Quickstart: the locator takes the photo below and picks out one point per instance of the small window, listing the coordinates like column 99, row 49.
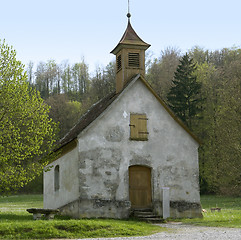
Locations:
column 118, row 63
column 56, row 178
column 134, row 60
column 138, row 127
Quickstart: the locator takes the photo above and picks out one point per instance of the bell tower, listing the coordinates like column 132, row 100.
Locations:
column 130, row 56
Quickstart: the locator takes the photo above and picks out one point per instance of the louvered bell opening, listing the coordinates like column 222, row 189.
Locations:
column 134, row 60
column 118, row 63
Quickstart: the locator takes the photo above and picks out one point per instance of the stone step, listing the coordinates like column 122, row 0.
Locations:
column 143, row 210
column 155, row 220
column 147, row 215
column 143, row 213
column 152, row 220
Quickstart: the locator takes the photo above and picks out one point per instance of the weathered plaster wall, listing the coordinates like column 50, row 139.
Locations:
column 69, row 183
column 94, row 179
column 105, row 153
column 97, row 208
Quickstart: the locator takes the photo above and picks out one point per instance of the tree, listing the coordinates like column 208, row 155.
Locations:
column 30, row 73
column 220, row 130
column 80, row 76
column 41, row 83
column 64, row 112
column 219, row 125
column 103, row 82
column 206, row 127
column 48, row 78
column 229, row 125
column 184, row 96
column 66, row 78
column 26, row 132
column 161, row 71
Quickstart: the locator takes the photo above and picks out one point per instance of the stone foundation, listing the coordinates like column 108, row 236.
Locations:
column 180, row 209
column 97, row 208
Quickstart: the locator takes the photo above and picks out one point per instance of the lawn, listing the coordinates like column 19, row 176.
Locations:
column 229, row 216
column 17, row 223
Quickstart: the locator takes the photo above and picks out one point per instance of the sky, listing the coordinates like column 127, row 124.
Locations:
column 40, row 30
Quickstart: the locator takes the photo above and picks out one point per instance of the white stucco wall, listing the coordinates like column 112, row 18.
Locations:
column 106, row 151
column 97, row 169
column 69, row 183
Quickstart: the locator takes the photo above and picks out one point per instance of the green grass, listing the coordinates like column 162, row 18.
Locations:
column 230, row 215
column 17, row 223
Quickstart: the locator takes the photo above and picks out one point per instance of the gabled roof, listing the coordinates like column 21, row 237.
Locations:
column 88, row 118
column 130, row 37
column 98, row 108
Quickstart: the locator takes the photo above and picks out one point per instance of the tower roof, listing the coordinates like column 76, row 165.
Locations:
column 130, row 37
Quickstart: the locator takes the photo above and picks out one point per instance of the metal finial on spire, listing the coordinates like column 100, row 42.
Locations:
column 128, row 14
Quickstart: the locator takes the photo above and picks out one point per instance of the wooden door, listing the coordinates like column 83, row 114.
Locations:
column 140, row 187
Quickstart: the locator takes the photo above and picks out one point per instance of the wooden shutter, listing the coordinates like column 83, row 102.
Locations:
column 138, row 127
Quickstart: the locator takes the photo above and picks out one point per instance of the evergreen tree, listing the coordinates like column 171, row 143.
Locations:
column 184, row 96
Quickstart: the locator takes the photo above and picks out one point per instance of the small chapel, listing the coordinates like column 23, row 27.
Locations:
column 125, row 150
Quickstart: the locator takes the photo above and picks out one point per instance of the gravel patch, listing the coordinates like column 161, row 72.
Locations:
column 187, row 232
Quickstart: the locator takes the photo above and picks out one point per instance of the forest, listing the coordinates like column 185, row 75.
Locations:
column 70, row 90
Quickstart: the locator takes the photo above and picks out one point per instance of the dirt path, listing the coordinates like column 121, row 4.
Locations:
column 188, row 232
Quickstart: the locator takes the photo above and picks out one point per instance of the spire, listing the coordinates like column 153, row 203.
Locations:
column 130, row 37
column 130, row 55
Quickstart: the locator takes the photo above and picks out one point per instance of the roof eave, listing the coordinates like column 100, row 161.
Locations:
column 162, row 102
column 130, row 44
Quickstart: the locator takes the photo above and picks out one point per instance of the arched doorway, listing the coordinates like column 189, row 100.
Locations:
column 140, row 193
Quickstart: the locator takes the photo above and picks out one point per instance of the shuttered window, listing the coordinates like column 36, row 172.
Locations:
column 138, row 127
